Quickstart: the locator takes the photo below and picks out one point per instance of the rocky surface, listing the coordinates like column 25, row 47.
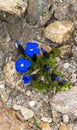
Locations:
column 37, row 11
column 62, row 104
column 59, row 31
column 17, row 7
column 49, row 111
column 9, row 121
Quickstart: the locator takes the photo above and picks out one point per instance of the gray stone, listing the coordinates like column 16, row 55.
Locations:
column 75, row 127
column 65, row 119
column 27, row 113
column 35, row 9
column 66, row 65
column 64, row 103
column 73, row 78
column 32, row 103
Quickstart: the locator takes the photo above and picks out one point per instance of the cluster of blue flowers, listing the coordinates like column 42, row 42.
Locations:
column 22, row 65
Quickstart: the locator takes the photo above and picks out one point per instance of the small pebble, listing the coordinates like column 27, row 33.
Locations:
column 28, row 93
column 73, row 78
column 45, row 119
column 66, row 65
column 27, row 113
column 65, row 119
column 2, row 86
column 16, row 107
column 32, row 103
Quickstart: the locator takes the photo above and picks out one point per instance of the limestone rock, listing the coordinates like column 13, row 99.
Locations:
column 45, row 126
column 45, row 119
column 64, row 103
column 9, row 121
column 59, row 31
column 65, row 51
column 75, row 127
column 27, row 113
column 65, row 119
column 64, row 127
column 13, row 6
column 10, row 74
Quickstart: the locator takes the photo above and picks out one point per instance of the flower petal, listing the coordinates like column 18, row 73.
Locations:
column 22, row 65
column 26, row 79
column 29, row 52
column 32, row 44
column 37, row 51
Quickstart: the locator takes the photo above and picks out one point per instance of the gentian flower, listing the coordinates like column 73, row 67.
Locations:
column 45, row 53
column 19, row 47
column 32, row 49
column 54, row 77
column 63, row 82
column 26, row 79
column 47, row 67
column 22, row 65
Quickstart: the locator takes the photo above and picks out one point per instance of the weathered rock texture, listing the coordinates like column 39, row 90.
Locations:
column 13, row 6
column 64, row 103
column 36, row 8
column 9, row 121
column 59, row 31
column 11, row 76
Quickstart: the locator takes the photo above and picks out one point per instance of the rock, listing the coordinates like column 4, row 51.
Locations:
column 2, row 85
column 59, row 31
column 9, row 121
column 10, row 74
column 16, row 107
column 45, row 16
column 73, row 78
column 64, row 103
column 27, row 113
column 13, row 6
column 61, row 11
column 28, row 93
column 45, row 119
column 66, row 65
column 64, row 127
column 45, row 126
column 65, row 51
column 75, row 127
column 35, row 10
column 3, row 95
column 32, row 103
column 65, row 119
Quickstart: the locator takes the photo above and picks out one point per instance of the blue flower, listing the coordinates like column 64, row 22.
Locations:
column 47, row 67
column 26, row 79
column 22, row 65
column 63, row 82
column 32, row 49
column 54, row 77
